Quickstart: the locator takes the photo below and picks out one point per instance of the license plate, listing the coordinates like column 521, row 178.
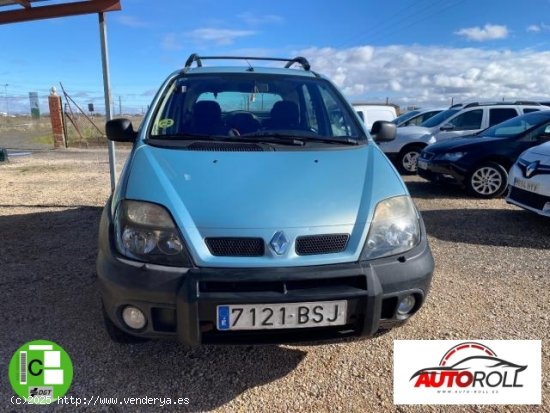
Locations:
column 524, row 184
column 280, row 316
column 422, row 164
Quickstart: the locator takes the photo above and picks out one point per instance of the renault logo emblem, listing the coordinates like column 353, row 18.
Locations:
column 531, row 168
column 279, row 243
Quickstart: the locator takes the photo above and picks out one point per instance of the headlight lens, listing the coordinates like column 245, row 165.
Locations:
column 146, row 232
column 395, row 228
column 450, row 156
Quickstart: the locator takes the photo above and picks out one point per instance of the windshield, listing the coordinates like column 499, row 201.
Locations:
column 439, row 118
column 514, row 126
column 405, row 117
column 223, row 106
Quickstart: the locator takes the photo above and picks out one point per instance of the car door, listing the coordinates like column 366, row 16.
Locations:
column 466, row 122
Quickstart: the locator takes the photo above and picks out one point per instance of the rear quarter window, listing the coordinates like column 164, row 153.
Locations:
column 499, row 115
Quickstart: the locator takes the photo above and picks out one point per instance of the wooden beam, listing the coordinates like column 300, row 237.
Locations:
column 25, row 3
column 59, row 10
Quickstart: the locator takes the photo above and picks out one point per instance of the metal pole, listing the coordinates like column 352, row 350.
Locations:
column 6, row 97
column 107, row 92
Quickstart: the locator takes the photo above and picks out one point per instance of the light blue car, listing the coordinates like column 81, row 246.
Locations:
column 255, row 207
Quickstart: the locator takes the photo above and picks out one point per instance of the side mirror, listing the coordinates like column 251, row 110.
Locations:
column 447, row 127
column 120, row 130
column 383, row 131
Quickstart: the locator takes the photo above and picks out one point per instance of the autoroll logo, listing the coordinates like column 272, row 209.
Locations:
column 470, row 365
column 468, row 372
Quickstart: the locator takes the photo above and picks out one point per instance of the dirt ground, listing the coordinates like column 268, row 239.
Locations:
column 491, row 282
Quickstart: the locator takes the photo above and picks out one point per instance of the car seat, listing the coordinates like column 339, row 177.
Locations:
column 207, row 118
column 284, row 115
column 244, row 123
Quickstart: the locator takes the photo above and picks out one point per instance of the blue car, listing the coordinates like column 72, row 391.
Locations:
column 255, row 207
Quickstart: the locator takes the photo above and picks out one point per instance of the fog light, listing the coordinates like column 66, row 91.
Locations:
column 406, row 305
column 133, row 317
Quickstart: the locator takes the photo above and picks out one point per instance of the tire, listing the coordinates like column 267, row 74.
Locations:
column 406, row 162
column 487, row 180
column 117, row 335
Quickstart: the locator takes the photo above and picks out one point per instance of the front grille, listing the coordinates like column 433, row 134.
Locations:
column 321, row 244
column 224, row 147
column 235, row 247
column 530, row 199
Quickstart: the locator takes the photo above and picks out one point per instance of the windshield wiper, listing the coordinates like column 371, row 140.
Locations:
column 303, row 138
column 348, row 140
column 270, row 137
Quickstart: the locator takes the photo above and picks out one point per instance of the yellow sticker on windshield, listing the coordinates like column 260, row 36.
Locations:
column 165, row 123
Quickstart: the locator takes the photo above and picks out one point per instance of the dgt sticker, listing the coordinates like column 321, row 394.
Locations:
column 40, row 372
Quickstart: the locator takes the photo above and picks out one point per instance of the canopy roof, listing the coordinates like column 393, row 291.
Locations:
column 13, row 11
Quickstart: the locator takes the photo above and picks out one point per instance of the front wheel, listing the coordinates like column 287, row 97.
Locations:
column 408, row 158
column 487, row 180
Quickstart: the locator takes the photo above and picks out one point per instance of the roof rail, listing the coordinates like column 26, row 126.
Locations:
column 517, row 102
column 198, row 59
column 527, row 102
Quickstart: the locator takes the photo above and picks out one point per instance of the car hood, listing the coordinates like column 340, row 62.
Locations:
column 333, row 190
column 543, row 149
column 459, row 143
column 261, row 189
column 413, row 131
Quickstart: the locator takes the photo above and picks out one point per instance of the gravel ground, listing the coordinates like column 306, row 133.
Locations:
column 491, row 282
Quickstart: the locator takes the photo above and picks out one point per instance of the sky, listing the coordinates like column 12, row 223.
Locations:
column 411, row 52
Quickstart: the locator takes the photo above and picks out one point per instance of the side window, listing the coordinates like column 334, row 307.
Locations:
column 427, row 116
column 468, row 120
column 421, row 118
column 529, row 110
column 543, row 133
column 540, row 134
column 499, row 115
column 340, row 123
column 415, row 121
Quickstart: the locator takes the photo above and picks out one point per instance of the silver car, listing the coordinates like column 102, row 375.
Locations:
column 529, row 180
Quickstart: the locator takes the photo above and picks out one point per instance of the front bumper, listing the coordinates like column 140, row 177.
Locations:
column 182, row 302
column 529, row 200
column 441, row 171
column 531, row 193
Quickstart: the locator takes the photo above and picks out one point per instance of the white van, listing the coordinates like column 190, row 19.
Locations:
column 370, row 113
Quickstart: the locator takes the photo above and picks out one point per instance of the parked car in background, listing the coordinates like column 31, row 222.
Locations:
column 473, row 117
column 416, row 116
column 370, row 112
column 458, row 120
column 480, row 163
column 529, row 179
column 251, row 220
